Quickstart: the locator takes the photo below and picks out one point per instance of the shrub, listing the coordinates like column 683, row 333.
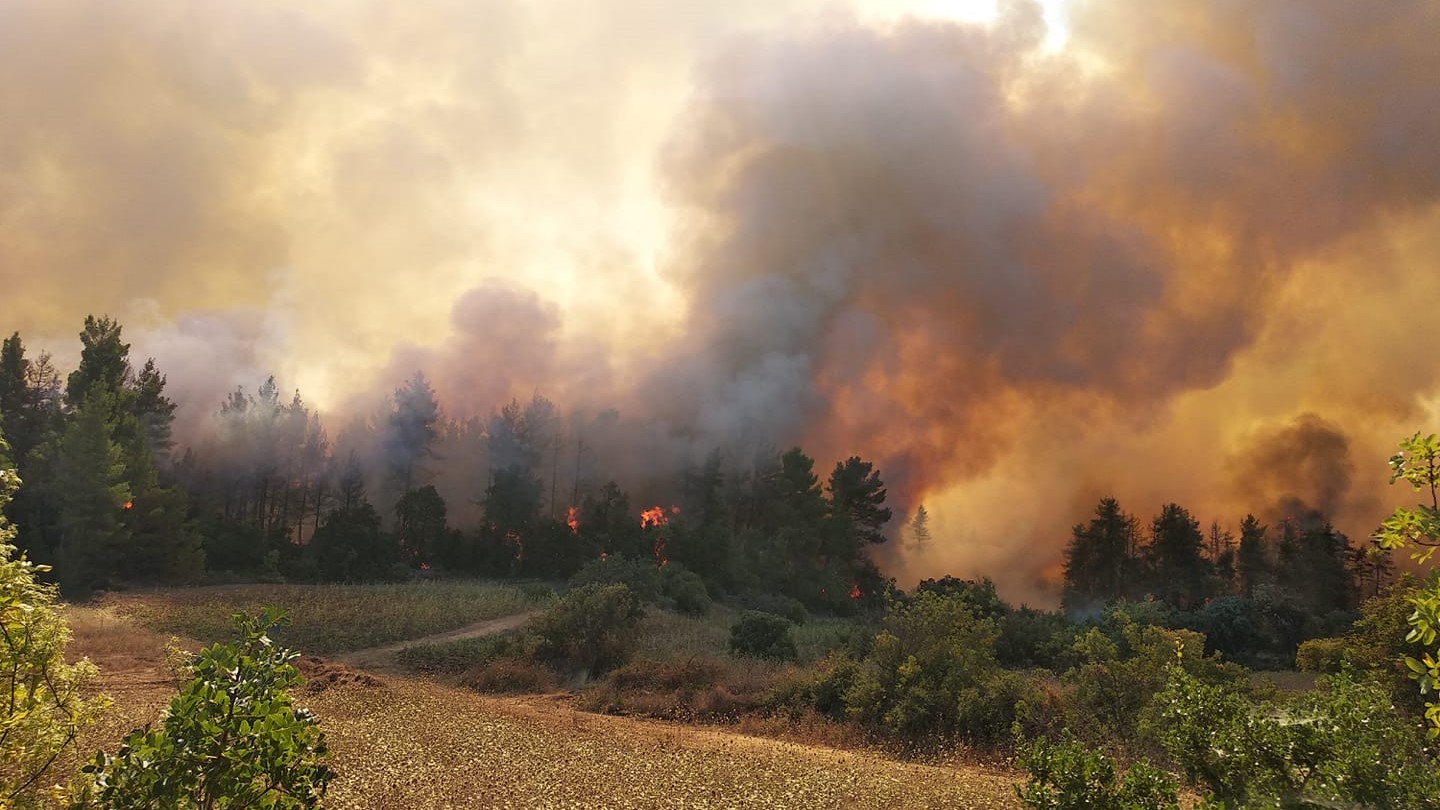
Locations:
column 685, row 590
column 1320, row 655
column 774, row 603
column 763, row 635
column 821, row 689
column 592, row 628
column 231, row 738
column 1068, row 776
column 642, row 577
column 931, row 651
column 1341, row 745
column 1035, row 638
column 45, row 707
column 1112, row 688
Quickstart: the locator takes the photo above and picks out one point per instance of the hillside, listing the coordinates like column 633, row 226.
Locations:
column 402, row 742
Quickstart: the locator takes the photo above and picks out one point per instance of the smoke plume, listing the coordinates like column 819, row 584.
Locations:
column 1182, row 256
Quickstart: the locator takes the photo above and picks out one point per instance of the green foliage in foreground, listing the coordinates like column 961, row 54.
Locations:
column 231, row 738
column 1418, row 464
column 44, row 707
column 1342, row 745
column 1068, row 776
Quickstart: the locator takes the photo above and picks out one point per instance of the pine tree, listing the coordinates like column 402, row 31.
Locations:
column 858, row 494
column 1252, row 559
column 1099, row 560
column 93, row 493
column 1181, row 571
column 919, row 527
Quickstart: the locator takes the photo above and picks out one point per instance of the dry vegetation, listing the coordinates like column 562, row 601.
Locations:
column 408, row 743
column 665, row 634
column 329, row 619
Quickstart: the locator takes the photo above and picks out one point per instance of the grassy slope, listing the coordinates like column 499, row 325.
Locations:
column 415, row 744
column 328, row 619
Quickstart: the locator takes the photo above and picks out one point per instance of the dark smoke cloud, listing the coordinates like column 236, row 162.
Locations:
column 916, row 241
column 1019, row 278
column 1300, row 470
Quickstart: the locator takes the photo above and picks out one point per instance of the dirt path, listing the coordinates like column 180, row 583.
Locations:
column 382, row 658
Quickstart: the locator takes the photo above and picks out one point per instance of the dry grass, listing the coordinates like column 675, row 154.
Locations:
column 327, row 619
column 423, row 746
column 402, row 743
column 665, row 635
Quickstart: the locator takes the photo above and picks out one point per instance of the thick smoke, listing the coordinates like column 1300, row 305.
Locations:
column 1184, row 257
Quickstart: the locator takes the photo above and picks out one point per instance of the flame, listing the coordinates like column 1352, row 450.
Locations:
column 128, row 505
column 655, row 516
column 572, row 520
column 855, row 592
column 660, row 558
column 513, row 538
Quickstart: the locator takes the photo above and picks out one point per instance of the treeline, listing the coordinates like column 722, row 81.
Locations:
column 1255, row 597
column 109, row 501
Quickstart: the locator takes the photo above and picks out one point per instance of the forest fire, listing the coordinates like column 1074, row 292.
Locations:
column 572, row 520
column 128, row 505
column 656, row 516
column 855, row 592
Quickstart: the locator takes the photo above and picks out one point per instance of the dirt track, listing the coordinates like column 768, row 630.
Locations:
column 382, row 658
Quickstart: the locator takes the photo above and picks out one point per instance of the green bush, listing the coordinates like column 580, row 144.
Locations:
column 1111, row 690
column 231, row 738
column 47, row 705
column 763, row 635
column 591, row 629
column 1035, row 638
column 1068, row 776
column 821, row 688
column 1377, row 643
column 775, row 603
column 1320, row 655
column 1341, row 745
column 931, row 651
column 641, row 576
column 685, row 590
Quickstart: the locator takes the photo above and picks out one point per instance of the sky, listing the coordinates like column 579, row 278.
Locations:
column 1022, row 255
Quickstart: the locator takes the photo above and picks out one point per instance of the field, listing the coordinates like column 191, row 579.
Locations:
column 330, row 619
column 412, row 743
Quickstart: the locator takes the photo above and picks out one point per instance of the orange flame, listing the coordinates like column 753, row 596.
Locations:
column 513, row 538
column 128, row 505
column 855, row 592
column 660, row 557
column 654, row 516
column 572, row 520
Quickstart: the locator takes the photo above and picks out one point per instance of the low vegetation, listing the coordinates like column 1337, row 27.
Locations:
column 328, row 619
